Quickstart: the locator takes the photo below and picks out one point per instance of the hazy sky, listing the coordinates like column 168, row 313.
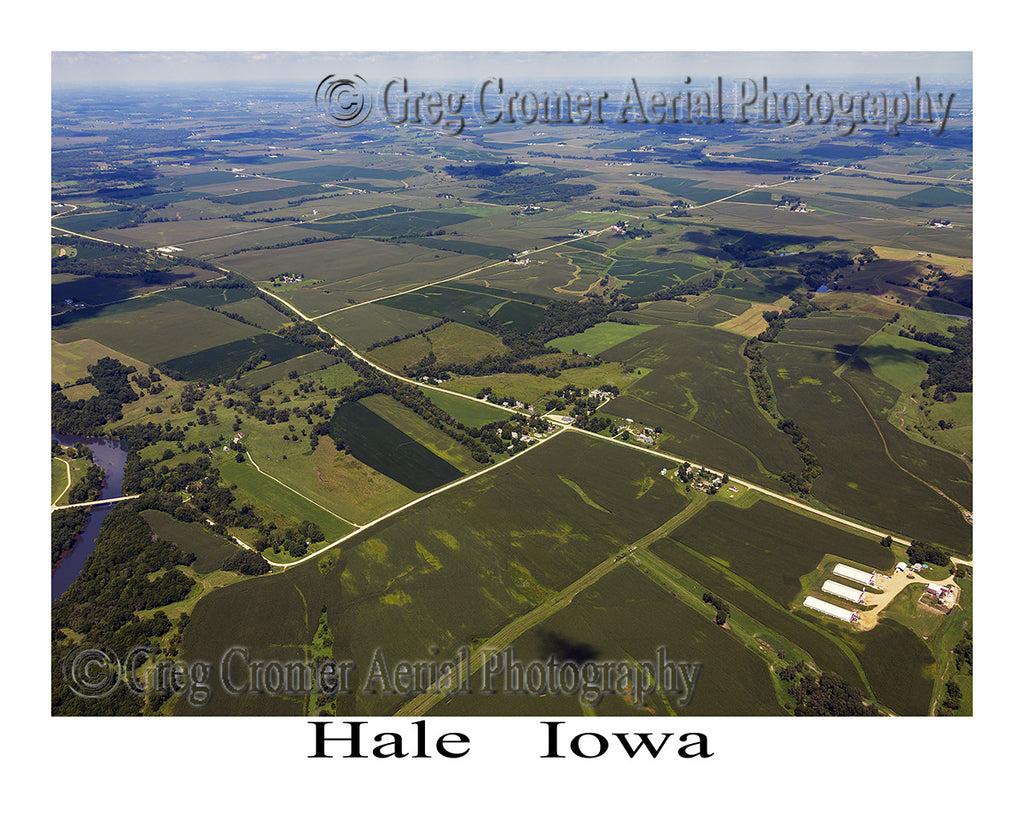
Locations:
column 121, row 67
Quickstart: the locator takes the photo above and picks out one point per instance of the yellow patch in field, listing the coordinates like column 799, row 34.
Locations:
column 435, row 564
column 375, row 549
column 447, row 538
column 398, row 598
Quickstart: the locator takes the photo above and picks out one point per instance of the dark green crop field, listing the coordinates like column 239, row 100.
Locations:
column 626, row 617
column 859, row 477
column 225, row 359
column 384, row 447
column 773, row 547
column 698, row 394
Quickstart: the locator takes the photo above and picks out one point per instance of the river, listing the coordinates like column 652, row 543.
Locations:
column 110, row 455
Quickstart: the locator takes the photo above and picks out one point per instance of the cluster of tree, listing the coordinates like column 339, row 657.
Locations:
column 721, row 607
column 951, row 372
column 818, row 270
column 245, row 562
column 100, row 608
column 826, row 696
column 307, row 334
column 800, row 482
column 953, row 699
column 295, row 540
column 963, row 652
column 920, row 552
column 687, row 288
column 546, row 186
column 87, row 416
column 753, row 351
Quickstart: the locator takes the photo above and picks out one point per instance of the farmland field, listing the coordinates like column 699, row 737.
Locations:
column 699, row 396
column 173, row 329
column 739, row 291
column 382, row 446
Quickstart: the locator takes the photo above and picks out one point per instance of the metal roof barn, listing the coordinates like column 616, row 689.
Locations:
column 846, row 592
column 857, row 575
column 829, row 609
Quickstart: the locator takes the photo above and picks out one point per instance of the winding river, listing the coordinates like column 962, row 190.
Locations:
column 110, row 455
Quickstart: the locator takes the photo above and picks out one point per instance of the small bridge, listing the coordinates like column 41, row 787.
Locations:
column 93, row 503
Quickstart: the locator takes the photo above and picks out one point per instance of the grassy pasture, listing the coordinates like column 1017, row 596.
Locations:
column 69, row 362
column 210, row 550
column 470, row 413
column 531, row 388
column 159, row 332
column 600, row 337
column 452, row 343
column 332, row 479
column 302, row 364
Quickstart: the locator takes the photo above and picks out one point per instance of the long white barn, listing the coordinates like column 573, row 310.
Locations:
column 830, row 609
column 856, row 575
column 846, row 592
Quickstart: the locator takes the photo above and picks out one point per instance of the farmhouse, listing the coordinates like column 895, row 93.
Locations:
column 831, row 610
column 846, row 592
column 857, row 575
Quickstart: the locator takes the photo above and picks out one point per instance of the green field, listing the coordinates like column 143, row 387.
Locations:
column 698, row 394
column 624, row 616
column 451, row 343
column 470, row 413
column 772, row 547
column 469, row 306
column 362, row 326
column 600, row 337
column 172, row 329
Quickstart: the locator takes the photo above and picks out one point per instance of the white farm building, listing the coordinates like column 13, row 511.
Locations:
column 846, row 592
column 856, row 575
column 832, row 610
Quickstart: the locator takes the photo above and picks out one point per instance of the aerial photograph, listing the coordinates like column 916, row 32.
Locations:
column 489, row 384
